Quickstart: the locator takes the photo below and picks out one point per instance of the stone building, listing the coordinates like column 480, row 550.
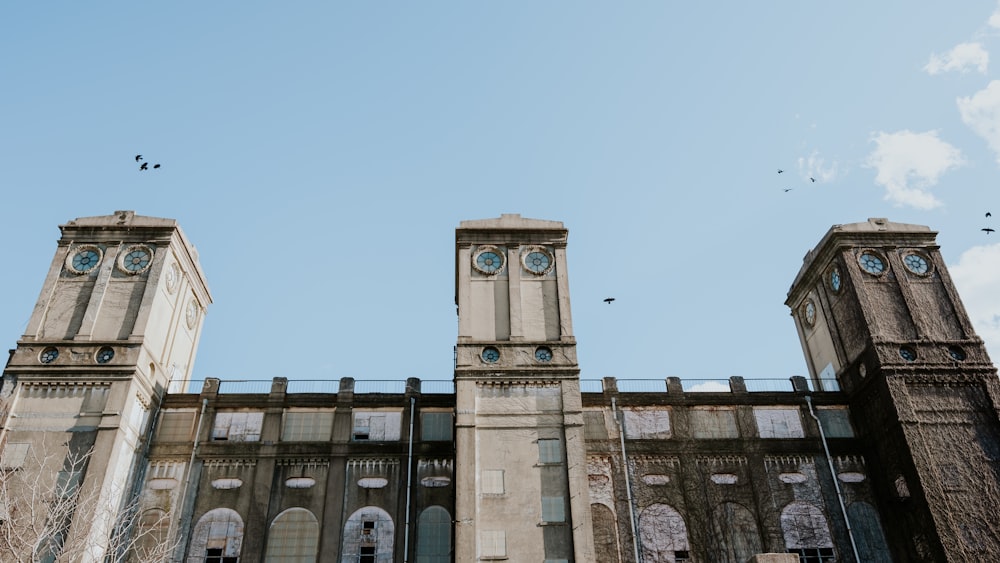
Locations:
column 886, row 452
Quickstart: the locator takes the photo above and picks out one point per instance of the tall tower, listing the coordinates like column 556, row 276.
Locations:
column 118, row 319
column 521, row 490
column 876, row 309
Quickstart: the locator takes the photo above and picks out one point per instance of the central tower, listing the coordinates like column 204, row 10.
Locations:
column 522, row 492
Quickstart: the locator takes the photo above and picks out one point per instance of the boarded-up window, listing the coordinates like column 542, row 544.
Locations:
column 493, row 482
column 376, row 425
column 868, row 533
column 647, row 423
column 553, row 509
column 492, row 544
column 836, row 422
column 605, row 534
column 549, row 451
column 293, row 537
column 307, row 426
column 777, row 422
column 663, row 534
column 434, row 536
column 804, row 526
column 593, row 425
column 14, row 454
column 369, row 534
column 238, row 426
column 175, row 427
column 435, row 426
column 713, row 423
column 217, row 537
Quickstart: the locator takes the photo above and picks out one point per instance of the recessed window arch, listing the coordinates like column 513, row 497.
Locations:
column 293, row 537
column 806, row 531
column 217, row 537
column 434, row 535
column 368, row 536
column 663, row 534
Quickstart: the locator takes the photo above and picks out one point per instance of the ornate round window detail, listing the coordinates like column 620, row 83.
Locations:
column 835, row 281
column 191, row 313
column 84, row 259
column 809, row 312
column 104, row 355
column 490, row 355
column 537, row 260
column 48, row 355
column 173, row 276
column 917, row 263
column 956, row 353
column 543, row 354
column 136, row 259
column 908, row 354
column 488, row 260
column 872, row 262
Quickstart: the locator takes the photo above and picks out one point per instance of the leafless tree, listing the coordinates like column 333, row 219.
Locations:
column 48, row 514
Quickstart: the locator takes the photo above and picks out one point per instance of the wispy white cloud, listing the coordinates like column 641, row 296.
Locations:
column 977, row 276
column 814, row 166
column 962, row 58
column 981, row 112
column 995, row 18
column 908, row 164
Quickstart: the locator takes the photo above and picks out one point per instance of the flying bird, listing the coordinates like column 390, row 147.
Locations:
column 811, row 179
column 988, row 214
column 156, row 166
column 138, row 157
column 780, row 171
column 988, row 230
column 145, row 166
column 609, row 300
column 788, row 190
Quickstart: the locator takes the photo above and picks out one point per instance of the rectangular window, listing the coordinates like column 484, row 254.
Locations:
column 237, row 426
column 713, row 423
column 814, row 555
column 593, row 426
column 778, row 422
column 493, row 482
column 647, row 423
column 435, row 426
column 14, row 454
column 175, row 427
column 553, row 509
column 549, row 451
column 307, row 426
column 493, row 544
column 836, row 422
column 376, row 426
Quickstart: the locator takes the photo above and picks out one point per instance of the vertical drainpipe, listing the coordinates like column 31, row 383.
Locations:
column 628, row 480
column 836, row 485
column 409, row 482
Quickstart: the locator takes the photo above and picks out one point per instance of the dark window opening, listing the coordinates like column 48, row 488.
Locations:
column 814, row 555
column 214, row 555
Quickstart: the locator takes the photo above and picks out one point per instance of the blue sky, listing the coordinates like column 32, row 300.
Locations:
column 321, row 154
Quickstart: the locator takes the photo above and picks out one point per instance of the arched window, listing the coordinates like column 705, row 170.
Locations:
column 806, row 532
column 293, row 537
column 151, row 536
column 737, row 538
column 368, row 537
column 605, row 534
column 217, row 537
column 663, row 535
column 868, row 533
column 434, row 536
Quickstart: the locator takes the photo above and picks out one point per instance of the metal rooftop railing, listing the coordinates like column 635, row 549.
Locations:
column 447, row 386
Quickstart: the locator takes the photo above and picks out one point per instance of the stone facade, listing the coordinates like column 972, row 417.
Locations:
column 886, row 452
